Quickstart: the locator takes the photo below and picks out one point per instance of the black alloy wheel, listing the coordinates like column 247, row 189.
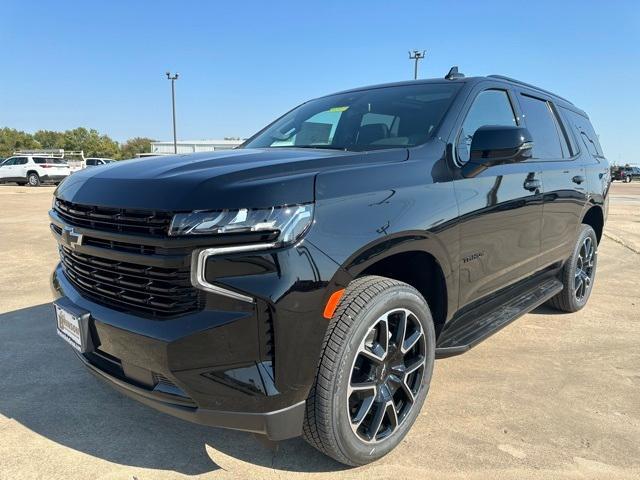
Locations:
column 386, row 375
column 579, row 272
column 374, row 371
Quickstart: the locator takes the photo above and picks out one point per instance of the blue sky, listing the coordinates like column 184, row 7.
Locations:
column 101, row 64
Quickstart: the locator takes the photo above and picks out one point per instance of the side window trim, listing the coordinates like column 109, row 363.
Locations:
column 515, row 108
column 570, row 132
column 562, row 131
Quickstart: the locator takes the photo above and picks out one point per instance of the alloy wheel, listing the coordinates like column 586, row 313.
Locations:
column 386, row 375
column 584, row 268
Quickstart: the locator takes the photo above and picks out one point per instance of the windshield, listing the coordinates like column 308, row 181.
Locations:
column 388, row 117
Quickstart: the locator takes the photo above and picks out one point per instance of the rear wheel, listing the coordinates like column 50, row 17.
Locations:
column 627, row 179
column 374, row 372
column 33, row 179
column 578, row 273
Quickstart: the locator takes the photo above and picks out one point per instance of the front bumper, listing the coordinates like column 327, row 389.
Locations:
column 232, row 364
column 278, row 425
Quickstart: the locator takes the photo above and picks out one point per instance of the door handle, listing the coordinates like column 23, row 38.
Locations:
column 532, row 185
column 578, row 179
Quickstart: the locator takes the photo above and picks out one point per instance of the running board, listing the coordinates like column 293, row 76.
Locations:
column 469, row 330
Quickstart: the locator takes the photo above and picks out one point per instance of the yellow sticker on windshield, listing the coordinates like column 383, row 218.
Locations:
column 338, row 109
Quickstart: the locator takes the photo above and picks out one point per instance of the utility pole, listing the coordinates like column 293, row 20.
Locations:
column 173, row 79
column 417, row 55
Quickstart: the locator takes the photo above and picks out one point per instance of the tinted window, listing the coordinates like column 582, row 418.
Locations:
column 584, row 132
column 9, row 161
column 373, row 119
column 541, row 123
column 21, row 161
column 39, row 160
column 491, row 107
column 91, row 162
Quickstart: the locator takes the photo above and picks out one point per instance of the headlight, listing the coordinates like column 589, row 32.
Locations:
column 288, row 222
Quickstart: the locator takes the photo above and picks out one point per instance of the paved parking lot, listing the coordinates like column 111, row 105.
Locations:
column 551, row 396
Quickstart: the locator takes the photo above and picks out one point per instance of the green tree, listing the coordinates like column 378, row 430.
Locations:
column 91, row 142
column 131, row 147
column 12, row 140
column 49, row 139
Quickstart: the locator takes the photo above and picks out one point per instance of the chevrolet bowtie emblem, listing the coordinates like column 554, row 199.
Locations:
column 71, row 237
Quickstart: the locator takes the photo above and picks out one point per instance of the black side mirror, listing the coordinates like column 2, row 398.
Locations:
column 497, row 145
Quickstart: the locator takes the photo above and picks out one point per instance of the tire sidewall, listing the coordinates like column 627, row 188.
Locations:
column 396, row 297
column 36, row 181
column 585, row 232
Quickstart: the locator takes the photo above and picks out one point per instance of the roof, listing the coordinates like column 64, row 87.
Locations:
column 468, row 80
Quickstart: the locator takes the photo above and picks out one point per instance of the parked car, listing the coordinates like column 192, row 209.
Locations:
column 625, row 174
column 33, row 170
column 304, row 283
column 94, row 162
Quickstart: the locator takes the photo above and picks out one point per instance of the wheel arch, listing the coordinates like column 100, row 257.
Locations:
column 594, row 217
column 422, row 263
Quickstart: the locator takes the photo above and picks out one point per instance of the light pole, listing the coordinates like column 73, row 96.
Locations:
column 417, row 55
column 173, row 79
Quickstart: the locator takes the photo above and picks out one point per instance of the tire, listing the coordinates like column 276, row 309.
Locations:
column 371, row 306
column 33, row 179
column 578, row 273
column 627, row 179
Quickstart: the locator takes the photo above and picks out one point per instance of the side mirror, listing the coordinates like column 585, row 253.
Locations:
column 497, row 145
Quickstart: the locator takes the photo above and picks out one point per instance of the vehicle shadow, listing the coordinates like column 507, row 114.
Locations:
column 45, row 389
column 545, row 310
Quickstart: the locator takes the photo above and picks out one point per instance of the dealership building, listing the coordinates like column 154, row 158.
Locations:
column 192, row 146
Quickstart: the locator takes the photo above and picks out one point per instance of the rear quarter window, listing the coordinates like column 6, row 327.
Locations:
column 584, row 132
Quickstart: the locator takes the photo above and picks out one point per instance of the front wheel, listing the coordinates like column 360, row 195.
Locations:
column 374, row 372
column 627, row 179
column 578, row 273
column 33, row 179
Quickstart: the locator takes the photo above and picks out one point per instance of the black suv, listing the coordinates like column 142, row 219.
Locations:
column 304, row 283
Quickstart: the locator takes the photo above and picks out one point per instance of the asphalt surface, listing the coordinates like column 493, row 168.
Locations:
column 552, row 396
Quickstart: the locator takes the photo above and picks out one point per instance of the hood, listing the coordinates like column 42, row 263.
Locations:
column 249, row 178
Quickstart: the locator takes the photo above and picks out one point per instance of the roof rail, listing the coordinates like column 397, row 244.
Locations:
column 525, row 84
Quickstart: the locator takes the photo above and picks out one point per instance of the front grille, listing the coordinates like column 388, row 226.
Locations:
column 136, row 222
column 141, row 289
column 112, row 244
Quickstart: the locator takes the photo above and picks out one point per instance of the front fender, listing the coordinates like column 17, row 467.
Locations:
column 389, row 209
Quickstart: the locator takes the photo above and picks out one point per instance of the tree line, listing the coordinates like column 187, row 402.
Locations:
column 90, row 141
